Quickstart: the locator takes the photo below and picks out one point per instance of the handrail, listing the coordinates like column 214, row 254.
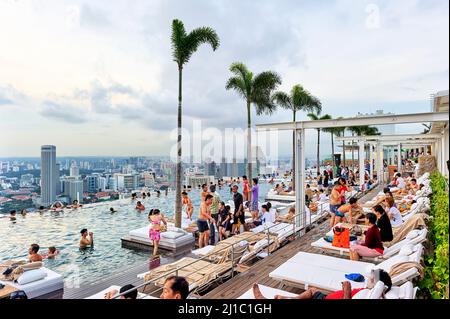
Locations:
column 206, row 257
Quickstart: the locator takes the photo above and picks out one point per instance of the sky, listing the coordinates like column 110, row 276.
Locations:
column 97, row 77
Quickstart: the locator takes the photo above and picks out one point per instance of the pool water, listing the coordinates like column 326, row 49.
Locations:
column 62, row 230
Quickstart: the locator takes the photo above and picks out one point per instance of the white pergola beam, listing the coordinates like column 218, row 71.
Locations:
column 360, row 121
column 394, row 138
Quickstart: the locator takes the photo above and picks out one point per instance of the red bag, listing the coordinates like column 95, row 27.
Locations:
column 341, row 237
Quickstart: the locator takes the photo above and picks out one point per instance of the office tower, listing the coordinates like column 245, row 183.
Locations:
column 91, row 184
column 74, row 170
column 48, row 179
column 75, row 190
column 57, row 182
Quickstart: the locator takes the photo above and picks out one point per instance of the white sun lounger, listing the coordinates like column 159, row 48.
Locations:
column 101, row 294
column 50, row 283
column 327, row 273
column 203, row 251
column 420, row 237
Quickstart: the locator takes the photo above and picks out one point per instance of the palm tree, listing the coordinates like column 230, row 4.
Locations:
column 297, row 100
column 317, row 117
column 256, row 90
column 361, row 131
column 334, row 131
column 183, row 47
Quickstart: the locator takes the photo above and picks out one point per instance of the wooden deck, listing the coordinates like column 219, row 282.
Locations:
column 259, row 272
column 231, row 289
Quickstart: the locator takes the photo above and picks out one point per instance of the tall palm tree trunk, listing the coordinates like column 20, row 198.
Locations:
column 249, row 143
column 318, row 152
column 293, row 156
column 179, row 167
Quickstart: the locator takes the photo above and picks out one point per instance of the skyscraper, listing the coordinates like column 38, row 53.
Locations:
column 48, row 171
column 74, row 170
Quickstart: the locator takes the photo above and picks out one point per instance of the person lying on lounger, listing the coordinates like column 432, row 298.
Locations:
column 352, row 209
column 130, row 295
column 346, row 293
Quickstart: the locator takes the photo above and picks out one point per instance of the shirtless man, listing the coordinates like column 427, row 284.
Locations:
column 204, row 192
column 335, row 203
column 352, row 208
column 33, row 253
column 202, row 222
column 84, row 241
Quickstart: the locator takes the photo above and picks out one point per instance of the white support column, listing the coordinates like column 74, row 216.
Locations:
column 371, row 160
column 362, row 168
column 399, row 158
column 380, row 164
column 300, row 221
column 391, row 154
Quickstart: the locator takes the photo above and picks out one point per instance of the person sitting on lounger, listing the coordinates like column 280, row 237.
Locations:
column 346, row 293
column 84, row 241
column 393, row 213
column 33, row 252
column 372, row 245
column 130, row 295
column 383, row 223
column 175, row 288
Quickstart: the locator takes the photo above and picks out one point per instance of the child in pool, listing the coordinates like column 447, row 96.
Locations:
column 52, row 252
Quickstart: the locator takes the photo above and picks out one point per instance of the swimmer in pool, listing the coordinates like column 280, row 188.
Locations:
column 112, row 210
column 51, row 254
column 139, row 206
column 84, row 241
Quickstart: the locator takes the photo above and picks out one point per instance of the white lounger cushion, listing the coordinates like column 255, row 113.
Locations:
column 405, row 291
column 203, row 251
column 31, row 276
column 50, row 283
column 101, row 294
column 327, row 272
column 267, row 292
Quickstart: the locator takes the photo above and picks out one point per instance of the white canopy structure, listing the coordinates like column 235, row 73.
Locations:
column 438, row 139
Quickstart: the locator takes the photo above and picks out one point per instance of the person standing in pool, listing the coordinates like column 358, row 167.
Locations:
column 202, row 223
column 33, row 252
column 155, row 218
column 84, row 241
column 12, row 215
column 23, row 212
column 139, row 206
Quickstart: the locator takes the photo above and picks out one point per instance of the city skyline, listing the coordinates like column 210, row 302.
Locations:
column 395, row 55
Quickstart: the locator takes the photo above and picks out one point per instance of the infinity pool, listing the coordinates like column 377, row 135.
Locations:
column 62, row 230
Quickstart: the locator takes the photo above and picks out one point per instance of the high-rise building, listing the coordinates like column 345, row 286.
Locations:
column 48, row 179
column 75, row 190
column 57, row 182
column 74, row 170
column 91, row 184
column 26, row 180
column 102, row 183
column 112, row 183
column 127, row 181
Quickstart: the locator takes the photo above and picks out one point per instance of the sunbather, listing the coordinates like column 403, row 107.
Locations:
column 383, row 224
column 175, row 288
column 346, row 293
column 372, row 245
column 130, row 295
column 34, row 253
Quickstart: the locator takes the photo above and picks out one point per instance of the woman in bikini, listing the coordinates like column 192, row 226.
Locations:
column 187, row 204
column 155, row 218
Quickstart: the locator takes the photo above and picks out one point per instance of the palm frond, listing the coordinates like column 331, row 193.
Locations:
column 178, row 41
column 184, row 45
column 283, row 100
column 313, row 116
column 237, row 84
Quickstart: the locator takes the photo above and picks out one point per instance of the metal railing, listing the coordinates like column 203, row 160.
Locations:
column 234, row 263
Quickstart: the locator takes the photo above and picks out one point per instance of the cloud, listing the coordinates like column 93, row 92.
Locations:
column 66, row 113
column 93, row 17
